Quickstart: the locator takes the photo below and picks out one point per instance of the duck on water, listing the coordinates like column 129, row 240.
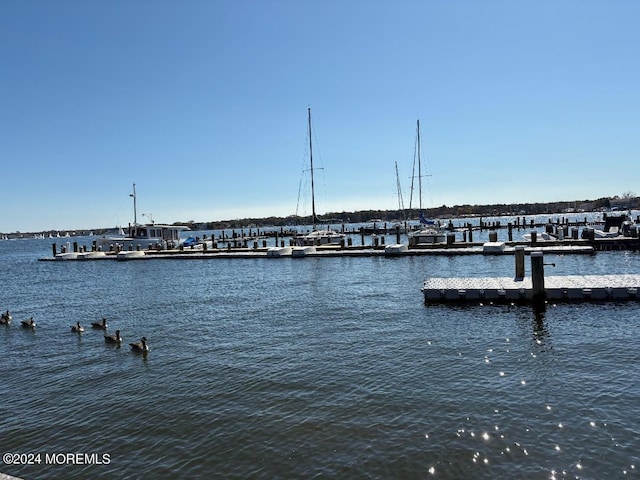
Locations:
column 28, row 323
column 102, row 324
column 77, row 328
column 113, row 339
column 140, row 346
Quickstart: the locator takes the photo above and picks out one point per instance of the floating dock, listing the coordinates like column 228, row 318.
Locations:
column 536, row 289
column 509, row 290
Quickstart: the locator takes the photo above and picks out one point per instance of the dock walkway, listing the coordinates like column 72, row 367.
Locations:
column 507, row 290
column 318, row 252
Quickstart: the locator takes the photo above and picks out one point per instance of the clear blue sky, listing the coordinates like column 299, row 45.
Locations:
column 203, row 104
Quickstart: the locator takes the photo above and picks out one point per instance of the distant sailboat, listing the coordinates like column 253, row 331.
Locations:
column 429, row 233
column 318, row 236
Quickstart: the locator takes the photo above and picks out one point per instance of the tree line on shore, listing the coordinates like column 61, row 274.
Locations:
column 626, row 201
column 456, row 211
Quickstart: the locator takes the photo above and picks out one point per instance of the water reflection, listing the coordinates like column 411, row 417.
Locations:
column 540, row 331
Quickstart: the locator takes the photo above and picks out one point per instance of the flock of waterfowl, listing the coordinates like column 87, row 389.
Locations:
column 116, row 339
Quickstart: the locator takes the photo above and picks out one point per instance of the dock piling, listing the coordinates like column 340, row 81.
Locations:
column 537, row 277
column 519, row 255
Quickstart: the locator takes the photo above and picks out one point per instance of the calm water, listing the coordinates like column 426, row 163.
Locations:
column 312, row 368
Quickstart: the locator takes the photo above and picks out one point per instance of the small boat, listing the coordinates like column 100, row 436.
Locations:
column 141, row 346
column 375, row 226
column 614, row 226
column 114, row 339
column 317, row 236
column 77, row 328
column 320, row 237
column 5, row 318
column 102, row 324
column 31, row 324
column 142, row 236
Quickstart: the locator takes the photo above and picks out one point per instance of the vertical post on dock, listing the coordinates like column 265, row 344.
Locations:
column 397, row 233
column 519, row 262
column 510, row 227
column 54, row 249
column 537, row 277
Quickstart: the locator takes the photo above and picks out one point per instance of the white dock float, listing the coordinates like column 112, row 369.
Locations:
column 396, row 249
column 494, row 247
column 578, row 288
column 303, row 251
column 130, row 255
column 279, row 251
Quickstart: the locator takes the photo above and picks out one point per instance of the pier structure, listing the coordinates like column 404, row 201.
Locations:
column 536, row 289
column 559, row 237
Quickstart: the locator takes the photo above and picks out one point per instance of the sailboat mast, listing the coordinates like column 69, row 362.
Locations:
column 419, row 167
column 400, row 201
column 313, row 196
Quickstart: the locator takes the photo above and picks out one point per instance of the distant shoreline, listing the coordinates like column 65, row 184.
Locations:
column 607, row 204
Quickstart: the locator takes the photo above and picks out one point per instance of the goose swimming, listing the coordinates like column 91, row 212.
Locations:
column 141, row 346
column 5, row 318
column 102, row 324
column 113, row 338
column 28, row 323
column 77, row 328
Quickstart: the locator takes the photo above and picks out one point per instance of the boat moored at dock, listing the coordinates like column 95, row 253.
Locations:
column 148, row 236
column 142, row 236
column 317, row 236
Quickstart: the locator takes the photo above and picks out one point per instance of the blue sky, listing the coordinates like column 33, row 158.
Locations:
column 203, row 104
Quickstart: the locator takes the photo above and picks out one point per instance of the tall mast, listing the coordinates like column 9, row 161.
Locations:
column 419, row 167
column 400, row 201
column 135, row 209
column 313, row 196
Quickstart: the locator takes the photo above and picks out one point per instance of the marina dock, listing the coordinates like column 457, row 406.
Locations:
column 536, row 290
column 324, row 251
column 575, row 288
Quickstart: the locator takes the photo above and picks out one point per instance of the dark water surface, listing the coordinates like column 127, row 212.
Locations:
column 312, row 368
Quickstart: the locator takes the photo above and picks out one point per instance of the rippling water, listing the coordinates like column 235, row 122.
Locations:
column 303, row 368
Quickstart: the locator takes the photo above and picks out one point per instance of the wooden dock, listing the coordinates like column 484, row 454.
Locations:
column 570, row 288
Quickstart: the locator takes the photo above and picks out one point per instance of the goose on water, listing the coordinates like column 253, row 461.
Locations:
column 141, row 346
column 28, row 323
column 77, row 328
column 5, row 318
column 102, row 324
column 113, row 338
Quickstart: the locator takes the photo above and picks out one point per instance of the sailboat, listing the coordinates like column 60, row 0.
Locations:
column 429, row 233
column 318, row 235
